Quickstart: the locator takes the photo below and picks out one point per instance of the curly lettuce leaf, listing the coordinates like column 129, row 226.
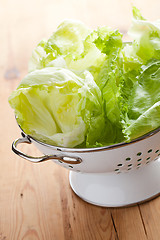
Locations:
column 110, row 77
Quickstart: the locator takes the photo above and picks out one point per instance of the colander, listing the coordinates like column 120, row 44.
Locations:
column 112, row 176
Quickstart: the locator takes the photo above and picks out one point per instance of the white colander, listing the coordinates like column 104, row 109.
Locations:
column 112, row 176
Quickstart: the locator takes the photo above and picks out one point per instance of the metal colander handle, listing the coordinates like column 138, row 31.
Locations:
column 62, row 158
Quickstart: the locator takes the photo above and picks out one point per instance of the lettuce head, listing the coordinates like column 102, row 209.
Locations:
column 58, row 107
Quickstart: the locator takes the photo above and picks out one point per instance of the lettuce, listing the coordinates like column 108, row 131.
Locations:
column 146, row 37
column 144, row 101
column 142, row 78
column 65, row 42
column 88, row 88
column 57, row 107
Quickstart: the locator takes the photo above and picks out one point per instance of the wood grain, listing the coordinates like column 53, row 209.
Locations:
column 36, row 201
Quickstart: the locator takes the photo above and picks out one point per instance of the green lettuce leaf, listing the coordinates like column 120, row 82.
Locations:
column 110, row 77
column 140, row 90
column 143, row 101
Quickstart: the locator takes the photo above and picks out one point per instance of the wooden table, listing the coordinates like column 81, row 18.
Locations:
column 36, row 201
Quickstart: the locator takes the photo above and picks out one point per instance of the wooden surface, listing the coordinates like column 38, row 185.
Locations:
column 36, row 201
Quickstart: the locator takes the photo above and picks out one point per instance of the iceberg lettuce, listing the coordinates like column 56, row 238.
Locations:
column 58, row 107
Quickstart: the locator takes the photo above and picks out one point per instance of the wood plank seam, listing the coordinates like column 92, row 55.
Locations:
column 143, row 223
column 114, row 225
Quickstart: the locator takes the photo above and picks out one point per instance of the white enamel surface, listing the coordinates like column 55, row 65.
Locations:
column 96, row 180
column 109, row 160
column 110, row 190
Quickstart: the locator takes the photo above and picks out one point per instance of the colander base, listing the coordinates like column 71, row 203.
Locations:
column 118, row 190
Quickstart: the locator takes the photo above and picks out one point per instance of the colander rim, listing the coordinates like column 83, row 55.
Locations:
column 95, row 149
